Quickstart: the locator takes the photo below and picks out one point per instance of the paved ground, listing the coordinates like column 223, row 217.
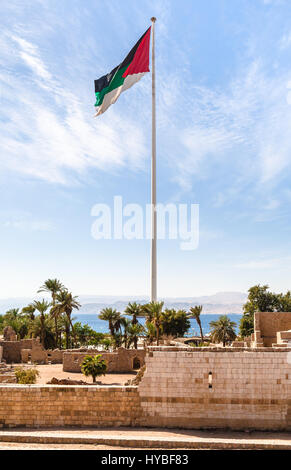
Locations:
column 22, row 446
column 137, row 438
column 48, row 371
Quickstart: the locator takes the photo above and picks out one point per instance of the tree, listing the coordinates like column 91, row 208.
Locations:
column 53, row 286
column 125, row 323
column 223, row 330
column 174, row 322
column 94, row 366
column 65, row 303
column 43, row 327
column 156, row 309
column 151, row 332
column 195, row 312
column 283, row 302
column 29, row 311
column 133, row 309
column 111, row 315
column 86, row 335
column 41, row 306
column 134, row 331
column 259, row 300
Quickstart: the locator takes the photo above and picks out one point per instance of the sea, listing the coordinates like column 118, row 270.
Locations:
column 102, row 326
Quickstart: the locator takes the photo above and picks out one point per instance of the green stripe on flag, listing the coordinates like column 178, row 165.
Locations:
column 116, row 82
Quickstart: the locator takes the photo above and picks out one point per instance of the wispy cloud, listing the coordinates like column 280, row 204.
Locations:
column 48, row 133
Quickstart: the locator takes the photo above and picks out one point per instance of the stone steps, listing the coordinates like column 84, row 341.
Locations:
column 141, row 439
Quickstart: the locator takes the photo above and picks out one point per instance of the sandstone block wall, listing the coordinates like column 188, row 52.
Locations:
column 82, row 406
column 121, row 360
column 219, row 389
column 12, row 349
column 266, row 325
column 194, row 388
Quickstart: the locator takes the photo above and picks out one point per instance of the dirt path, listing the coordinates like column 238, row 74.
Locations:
column 48, row 371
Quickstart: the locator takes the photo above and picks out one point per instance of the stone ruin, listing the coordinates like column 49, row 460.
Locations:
column 121, row 360
column 271, row 329
column 31, row 351
column 27, row 350
column 9, row 334
column 6, row 373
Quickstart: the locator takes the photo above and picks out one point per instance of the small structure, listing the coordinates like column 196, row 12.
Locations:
column 267, row 325
column 9, row 334
column 28, row 350
column 121, row 360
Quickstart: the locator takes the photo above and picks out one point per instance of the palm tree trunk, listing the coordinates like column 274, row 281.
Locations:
column 42, row 330
column 158, row 334
column 56, row 332
column 67, row 336
column 72, row 328
column 201, row 333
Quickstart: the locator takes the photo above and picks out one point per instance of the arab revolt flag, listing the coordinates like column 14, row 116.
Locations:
column 131, row 70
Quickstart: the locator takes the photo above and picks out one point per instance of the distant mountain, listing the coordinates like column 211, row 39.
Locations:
column 220, row 303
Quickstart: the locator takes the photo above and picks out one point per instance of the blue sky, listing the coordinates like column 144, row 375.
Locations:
column 223, row 133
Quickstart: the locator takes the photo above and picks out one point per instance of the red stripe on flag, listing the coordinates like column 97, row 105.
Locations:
column 140, row 61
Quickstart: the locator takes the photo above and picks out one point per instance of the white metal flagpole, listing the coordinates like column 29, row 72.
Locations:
column 153, row 185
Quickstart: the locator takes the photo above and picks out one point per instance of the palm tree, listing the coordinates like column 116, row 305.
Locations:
column 147, row 312
column 13, row 313
column 125, row 323
column 150, row 331
column 41, row 306
column 156, row 309
column 111, row 315
column 94, row 366
column 133, row 309
column 134, row 331
column 29, row 311
column 65, row 303
column 195, row 312
column 223, row 330
column 46, row 327
column 53, row 286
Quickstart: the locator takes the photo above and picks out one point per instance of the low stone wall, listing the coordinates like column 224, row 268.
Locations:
column 122, row 360
column 81, row 406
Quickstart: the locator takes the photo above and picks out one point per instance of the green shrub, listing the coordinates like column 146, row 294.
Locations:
column 26, row 376
column 94, row 366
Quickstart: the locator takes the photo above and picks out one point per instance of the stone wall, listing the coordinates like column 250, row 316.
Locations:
column 226, row 388
column 12, row 349
column 82, row 406
column 1, row 353
column 267, row 324
column 29, row 350
column 200, row 388
column 121, row 360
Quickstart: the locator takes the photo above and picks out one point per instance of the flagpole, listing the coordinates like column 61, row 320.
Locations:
column 153, row 182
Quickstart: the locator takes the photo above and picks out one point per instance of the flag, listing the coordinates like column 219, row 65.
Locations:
column 131, row 70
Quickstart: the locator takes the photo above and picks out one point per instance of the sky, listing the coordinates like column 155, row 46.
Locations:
column 223, row 142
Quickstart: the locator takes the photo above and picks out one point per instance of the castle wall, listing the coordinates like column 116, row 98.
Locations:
column 233, row 388
column 216, row 388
